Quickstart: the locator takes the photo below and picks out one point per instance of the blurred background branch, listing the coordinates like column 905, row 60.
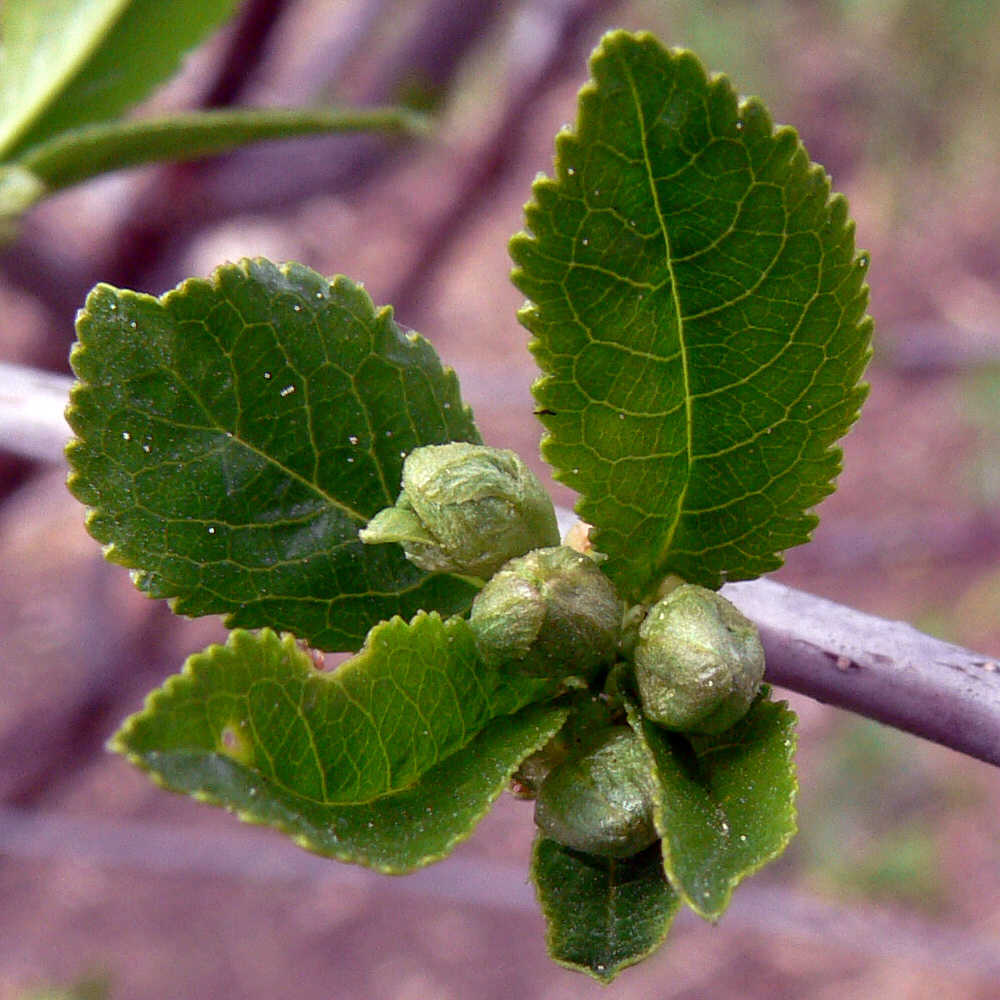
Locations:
column 897, row 99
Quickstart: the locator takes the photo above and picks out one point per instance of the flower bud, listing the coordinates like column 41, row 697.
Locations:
column 600, row 801
column 467, row 509
column 550, row 613
column 698, row 662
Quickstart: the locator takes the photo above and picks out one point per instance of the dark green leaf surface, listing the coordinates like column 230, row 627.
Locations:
column 725, row 805
column 78, row 155
column 603, row 915
column 698, row 312
column 388, row 761
column 68, row 63
column 234, row 435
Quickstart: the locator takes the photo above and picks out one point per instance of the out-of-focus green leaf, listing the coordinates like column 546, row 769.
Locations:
column 78, row 155
column 603, row 914
column 388, row 761
column 68, row 63
column 19, row 190
column 697, row 306
column 234, row 435
column 724, row 805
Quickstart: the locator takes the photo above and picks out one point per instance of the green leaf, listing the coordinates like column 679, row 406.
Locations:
column 603, row 914
column 19, row 190
column 234, row 435
column 725, row 805
column 388, row 761
column 414, row 695
column 67, row 63
column 75, row 156
column 697, row 307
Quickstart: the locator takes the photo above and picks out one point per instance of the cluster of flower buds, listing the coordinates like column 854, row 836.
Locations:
column 547, row 610
column 698, row 665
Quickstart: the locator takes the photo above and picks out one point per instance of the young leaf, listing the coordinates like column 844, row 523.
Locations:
column 698, row 316
column 234, row 435
column 67, row 63
column 389, row 760
column 414, row 695
column 603, row 914
column 725, row 805
column 77, row 155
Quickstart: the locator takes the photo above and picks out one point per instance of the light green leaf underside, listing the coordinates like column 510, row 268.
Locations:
column 234, row 436
column 602, row 915
column 68, row 63
column 19, row 190
column 78, row 155
column 725, row 805
column 388, row 761
column 697, row 307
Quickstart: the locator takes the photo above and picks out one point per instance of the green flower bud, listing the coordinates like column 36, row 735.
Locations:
column 467, row 509
column 600, row 801
column 698, row 662
column 550, row 613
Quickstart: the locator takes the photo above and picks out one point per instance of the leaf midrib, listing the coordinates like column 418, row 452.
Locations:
column 665, row 547
column 611, row 926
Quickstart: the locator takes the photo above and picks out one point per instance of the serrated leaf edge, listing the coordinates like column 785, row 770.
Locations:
column 714, row 915
column 117, row 744
column 611, row 973
column 836, row 204
column 75, row 481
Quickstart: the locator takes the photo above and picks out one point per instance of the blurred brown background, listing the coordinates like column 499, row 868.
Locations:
column 892, row 889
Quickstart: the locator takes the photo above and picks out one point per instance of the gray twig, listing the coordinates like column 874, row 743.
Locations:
column 888, row 671
column 31, row 412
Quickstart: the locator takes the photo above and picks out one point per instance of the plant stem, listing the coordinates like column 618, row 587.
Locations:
column 886, row 670
column 83, row 153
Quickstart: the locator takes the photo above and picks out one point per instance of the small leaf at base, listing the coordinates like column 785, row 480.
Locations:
column 603, row 914
column 414, row 695
column 724, row 805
